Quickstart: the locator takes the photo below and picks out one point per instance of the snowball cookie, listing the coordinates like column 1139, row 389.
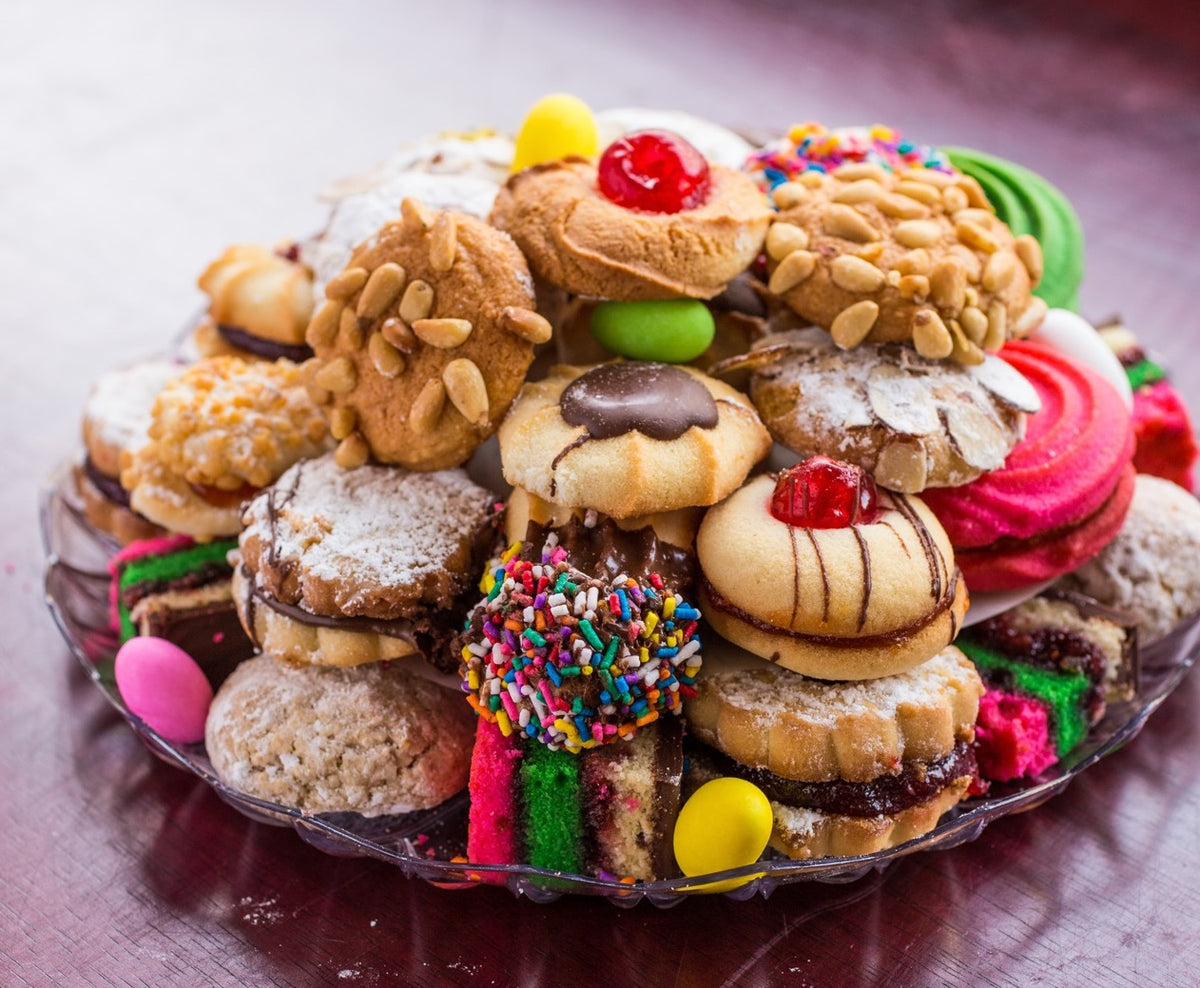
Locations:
column 374, row 740
column 1149, row 569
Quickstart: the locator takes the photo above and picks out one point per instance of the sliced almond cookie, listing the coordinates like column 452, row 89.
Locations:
column 849, row 768
column 342, row 567
column 912, row 423
column 917, row 257
column 424, row 340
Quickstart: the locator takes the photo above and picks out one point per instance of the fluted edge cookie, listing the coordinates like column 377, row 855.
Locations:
column 767, row 717
column 917, row 257
column 630, row 438
column 423, row 340
column 580, row 241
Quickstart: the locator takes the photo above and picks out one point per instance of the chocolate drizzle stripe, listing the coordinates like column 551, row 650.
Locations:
column 895, row 637
column 824, row 576
column 899, row 538
column 865, row 553
column 574, row 444
column 933, row 558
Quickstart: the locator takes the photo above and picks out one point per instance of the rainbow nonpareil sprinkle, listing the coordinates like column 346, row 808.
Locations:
column 573, row 662
column 812, row 147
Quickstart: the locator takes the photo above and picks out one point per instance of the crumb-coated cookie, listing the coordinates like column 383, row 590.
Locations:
column 910, row 422
column 917, row 257
column 424, row 340
column 869, row 599
column 378, row 740
column 221, row 429
column 259, row 303
column 341, row 567
column 630, row 438
column 849, row 768
column 1149, row 569
column 580, row 241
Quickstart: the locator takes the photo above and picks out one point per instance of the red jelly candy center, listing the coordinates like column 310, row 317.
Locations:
column 654, row 171
column 825, row 493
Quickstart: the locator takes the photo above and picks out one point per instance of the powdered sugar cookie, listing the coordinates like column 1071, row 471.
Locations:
column 342, row 567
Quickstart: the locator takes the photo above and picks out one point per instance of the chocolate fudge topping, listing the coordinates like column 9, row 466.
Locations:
column 658, row 400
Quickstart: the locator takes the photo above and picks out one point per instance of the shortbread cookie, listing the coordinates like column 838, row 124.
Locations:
column 630, row 438
column 582, row 242
column 221, row 430
column 850, row 768
column 912, row 423
column 1149, row 569
column 341, row 567
column 379, row 740
column 424, row 340
column 116, row 421
column 917, row 257
column 850, row 594
column 259, row 303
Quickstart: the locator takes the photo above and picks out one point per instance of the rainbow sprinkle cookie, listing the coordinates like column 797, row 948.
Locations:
column 574, row 662
column 812, row 147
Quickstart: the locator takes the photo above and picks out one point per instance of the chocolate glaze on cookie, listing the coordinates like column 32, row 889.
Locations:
column 657, row 400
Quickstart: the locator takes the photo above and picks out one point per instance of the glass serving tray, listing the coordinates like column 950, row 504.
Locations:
column 431, row 844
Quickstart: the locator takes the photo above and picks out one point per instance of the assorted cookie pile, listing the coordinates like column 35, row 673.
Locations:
column 778, row 427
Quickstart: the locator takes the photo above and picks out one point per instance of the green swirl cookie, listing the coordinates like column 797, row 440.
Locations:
column 1030, row 204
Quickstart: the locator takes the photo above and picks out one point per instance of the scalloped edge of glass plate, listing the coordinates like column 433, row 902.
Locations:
column 75, row 576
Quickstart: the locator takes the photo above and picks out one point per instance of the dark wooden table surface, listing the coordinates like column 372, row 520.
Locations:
column 139, row 141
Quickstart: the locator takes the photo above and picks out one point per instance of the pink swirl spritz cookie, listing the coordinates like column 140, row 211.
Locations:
column 1061, row 495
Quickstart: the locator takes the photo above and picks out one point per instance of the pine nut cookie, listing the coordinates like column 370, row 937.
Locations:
column 221, row 430
column 260, row 302
column 630, row 438
column 912, row 423
column 424, row 340
column 342, row 567
column 380, row 740
column 849, row 768
column 917, row 257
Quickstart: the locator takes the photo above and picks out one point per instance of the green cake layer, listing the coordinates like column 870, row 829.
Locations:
column 1062, row 692
column 552, row 809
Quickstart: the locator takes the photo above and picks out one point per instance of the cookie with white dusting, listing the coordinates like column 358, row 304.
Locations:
column 910, row 422
column 377, row 741
column 341, row 567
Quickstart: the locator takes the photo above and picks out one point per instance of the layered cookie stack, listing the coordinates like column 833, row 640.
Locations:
column 353, row 569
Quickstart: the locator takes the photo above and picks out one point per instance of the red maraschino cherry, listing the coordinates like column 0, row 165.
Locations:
column 823, row 493
column 654, row 171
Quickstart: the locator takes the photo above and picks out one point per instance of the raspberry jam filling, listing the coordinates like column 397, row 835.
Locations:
column 824, row 493
column 218, row 497
column 654, row 171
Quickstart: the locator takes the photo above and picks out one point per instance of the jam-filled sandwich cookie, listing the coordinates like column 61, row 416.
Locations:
column 916, row 257
column 424, row 340
column 829, row 577
column 651, row 220
column 259, row 303
column 221, row 430
column 341, row 567
column 1062, row 493
column 630, row 438
column 116, row 420
column 910, row 422
column 849, row 768
column 379, row 740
